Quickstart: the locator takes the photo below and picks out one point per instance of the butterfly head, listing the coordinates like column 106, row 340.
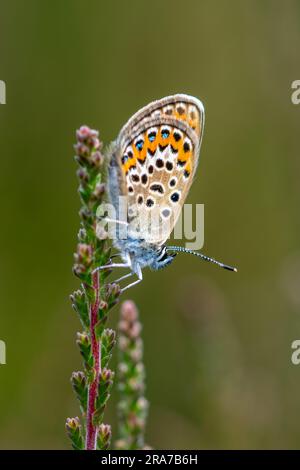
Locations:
column 162, row 259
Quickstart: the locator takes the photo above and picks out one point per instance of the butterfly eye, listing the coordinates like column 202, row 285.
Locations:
column 139, row 144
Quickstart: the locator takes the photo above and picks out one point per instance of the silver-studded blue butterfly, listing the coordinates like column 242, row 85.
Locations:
column 152, row 164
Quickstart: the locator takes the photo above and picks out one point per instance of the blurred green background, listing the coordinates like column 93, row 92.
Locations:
column 217, row 345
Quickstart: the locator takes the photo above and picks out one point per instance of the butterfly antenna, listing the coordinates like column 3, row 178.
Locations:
column 180, row 249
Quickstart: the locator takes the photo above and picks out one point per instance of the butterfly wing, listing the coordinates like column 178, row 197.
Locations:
column 153, row 163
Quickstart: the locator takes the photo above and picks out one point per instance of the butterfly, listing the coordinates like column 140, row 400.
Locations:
column 152, row 164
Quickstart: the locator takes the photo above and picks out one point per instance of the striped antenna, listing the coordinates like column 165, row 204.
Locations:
column 181, row 249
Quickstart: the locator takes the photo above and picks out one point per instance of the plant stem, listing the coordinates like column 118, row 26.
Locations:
column 91, row 429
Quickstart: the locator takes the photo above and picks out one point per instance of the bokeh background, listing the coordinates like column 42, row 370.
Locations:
column 217, row 345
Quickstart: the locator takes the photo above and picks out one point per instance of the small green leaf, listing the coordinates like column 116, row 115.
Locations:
column 104, row 437
column 84, row 344
column 80, row 305
column 79, row 383
column 74, row 432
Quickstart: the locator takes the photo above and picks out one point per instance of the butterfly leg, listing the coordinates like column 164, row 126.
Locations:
column 127, row 264
column 111, row 266
column 140, row 278
column 124, row 277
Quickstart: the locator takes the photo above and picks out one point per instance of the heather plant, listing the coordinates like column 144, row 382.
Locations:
column 93, row 302
column 132, row 407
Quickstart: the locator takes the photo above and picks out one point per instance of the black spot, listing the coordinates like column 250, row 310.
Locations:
column 130, row 154
column 186, row 173
column 169, row 111
column 135, row 178
column 130, row 189
column 141, row 161
column 157, row 187
column 172, row 182
column 177, row 136
column 139, row 144
column 165, row 133
column 165, row 212
column 152, row 136
column 150, row 170
column 144, row 179
column 159, row 163
column 186, row 147
column 162, row 147
column 149, row 202
column 175, row 197
column 180, row 110
column 140, row 200
column 173, row 149
column 151, row 152
column 181, row 162
column 169, row 166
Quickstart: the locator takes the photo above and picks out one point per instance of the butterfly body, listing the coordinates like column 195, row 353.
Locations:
column 143, row 255
column 152, row 165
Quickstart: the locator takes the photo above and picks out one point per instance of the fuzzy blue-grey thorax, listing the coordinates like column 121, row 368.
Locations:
column 142, row 254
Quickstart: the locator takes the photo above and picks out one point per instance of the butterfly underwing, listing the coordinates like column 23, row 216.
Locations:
column 152, row 166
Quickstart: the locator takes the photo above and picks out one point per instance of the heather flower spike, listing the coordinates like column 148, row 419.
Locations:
column 92, row 303
column 133, row 406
